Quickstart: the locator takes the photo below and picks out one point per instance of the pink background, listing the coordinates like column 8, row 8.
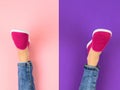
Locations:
column 40, row 17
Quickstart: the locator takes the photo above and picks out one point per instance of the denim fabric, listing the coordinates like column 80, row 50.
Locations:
column 89, row 78
column 25, row 78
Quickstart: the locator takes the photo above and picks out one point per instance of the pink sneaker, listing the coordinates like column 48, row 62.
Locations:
column 100, row 38
column 20, row 38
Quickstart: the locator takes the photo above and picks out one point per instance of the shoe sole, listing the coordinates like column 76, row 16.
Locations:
column 18, row 30
column 98, row 30
column 101, row 30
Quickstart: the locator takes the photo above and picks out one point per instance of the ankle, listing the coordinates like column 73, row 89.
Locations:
column 93, row 57
column 23, row 55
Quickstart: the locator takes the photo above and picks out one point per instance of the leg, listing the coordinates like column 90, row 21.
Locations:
column 91, row 71
column 95, row 47
column 89, row 78
column 25, row 77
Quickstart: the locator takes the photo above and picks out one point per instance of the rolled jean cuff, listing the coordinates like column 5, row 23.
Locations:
column 93, row 68
column 25, row 64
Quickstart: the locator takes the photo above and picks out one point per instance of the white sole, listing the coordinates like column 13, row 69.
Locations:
column 102, row 30
column 19, row 30
column 98, row 30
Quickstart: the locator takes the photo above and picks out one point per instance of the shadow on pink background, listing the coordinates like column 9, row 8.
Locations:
column 40, row 17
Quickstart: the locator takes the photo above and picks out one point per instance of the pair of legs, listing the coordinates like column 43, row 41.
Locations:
column 95, row 47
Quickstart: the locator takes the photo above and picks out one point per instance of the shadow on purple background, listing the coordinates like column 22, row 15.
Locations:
column 78, row 18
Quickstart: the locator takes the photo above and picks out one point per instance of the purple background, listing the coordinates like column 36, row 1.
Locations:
column 78, row 18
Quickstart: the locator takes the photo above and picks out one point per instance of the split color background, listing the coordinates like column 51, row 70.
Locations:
column 78, row 18
column 40, row 17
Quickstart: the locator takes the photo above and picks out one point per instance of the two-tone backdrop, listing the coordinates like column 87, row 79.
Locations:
column 78, row 18
column 59, row 32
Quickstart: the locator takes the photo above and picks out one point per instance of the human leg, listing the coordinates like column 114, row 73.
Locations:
column 95, row 47
column 25, row 77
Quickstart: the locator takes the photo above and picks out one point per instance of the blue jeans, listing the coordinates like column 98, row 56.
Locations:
column 89, row 78
column 26, row 81
column 25, row 78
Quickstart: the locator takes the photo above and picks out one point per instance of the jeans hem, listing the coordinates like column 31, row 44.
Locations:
column 88, row 67
column 28, row 63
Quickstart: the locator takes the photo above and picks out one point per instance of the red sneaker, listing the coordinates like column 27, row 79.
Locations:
column 100, row 38
column 20, row 38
